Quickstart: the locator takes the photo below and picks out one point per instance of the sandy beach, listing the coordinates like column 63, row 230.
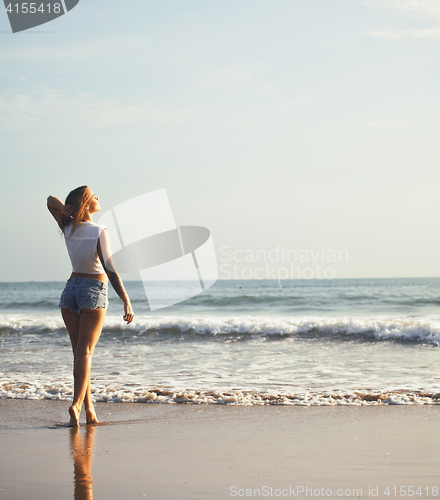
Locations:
column 209, row 451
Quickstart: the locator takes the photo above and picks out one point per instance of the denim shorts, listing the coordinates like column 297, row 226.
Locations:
column 84, row 293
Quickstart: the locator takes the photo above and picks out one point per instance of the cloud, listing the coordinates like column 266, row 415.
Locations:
column 385, row 123
column 49, row 108
column 236, row 77
column 432, row 33
column 428, row 10
column 96, row 49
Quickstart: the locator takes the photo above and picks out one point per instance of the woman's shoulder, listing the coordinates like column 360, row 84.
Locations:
column 96, row 227
column 85, row 230
column 101, row 227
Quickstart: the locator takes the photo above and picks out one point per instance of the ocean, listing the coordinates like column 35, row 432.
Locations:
column 295, row 342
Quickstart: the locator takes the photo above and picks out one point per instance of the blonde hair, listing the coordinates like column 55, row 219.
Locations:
column 79, row 199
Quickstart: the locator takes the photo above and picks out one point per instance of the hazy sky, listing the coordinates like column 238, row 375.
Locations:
column 308, row 125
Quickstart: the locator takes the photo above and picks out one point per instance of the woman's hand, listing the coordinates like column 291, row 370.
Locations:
column 58, row 209
column 68, row 210
column 116, row 282
column 129, row 315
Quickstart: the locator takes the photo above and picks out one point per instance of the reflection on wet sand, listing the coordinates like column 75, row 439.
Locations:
column 81, row 446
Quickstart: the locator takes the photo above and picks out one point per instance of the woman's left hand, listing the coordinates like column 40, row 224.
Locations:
column 129, row 314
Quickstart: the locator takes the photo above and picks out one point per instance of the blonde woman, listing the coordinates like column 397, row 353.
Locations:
column 84, row 299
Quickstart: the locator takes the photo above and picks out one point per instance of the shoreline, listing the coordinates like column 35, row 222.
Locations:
column 235, row 397
column 174, row 451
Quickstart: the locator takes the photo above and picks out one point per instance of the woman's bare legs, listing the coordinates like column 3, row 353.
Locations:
column 71, row 320
column 84, row 331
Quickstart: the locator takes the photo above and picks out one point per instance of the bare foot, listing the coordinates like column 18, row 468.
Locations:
column 91, row 416
column 74, row 417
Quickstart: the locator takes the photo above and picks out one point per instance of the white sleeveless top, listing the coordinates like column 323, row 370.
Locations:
column 83, row 247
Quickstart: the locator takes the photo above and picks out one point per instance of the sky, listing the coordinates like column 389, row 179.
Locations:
column 309, row 127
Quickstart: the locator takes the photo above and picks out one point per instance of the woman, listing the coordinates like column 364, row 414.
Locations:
column 84, row 299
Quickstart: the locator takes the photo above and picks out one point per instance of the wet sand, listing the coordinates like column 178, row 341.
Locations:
column 218, row 452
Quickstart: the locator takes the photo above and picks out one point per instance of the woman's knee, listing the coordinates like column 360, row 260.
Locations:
column 84, row 351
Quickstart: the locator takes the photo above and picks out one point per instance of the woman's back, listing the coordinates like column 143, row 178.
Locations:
column 82, row 246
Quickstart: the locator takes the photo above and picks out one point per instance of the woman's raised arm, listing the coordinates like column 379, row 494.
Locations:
column 58, row 210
